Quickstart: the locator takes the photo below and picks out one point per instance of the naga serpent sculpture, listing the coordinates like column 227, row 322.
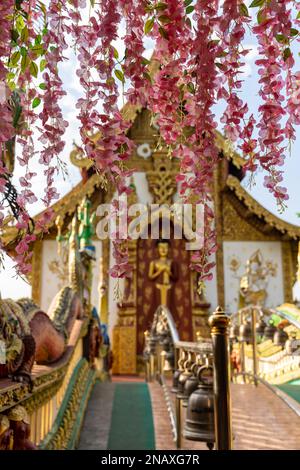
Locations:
column 30, row 335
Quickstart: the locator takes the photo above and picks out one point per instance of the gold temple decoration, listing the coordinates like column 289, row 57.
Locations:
column 161, row 266
column 253, row 284
column 18, row 413
column 161, row 179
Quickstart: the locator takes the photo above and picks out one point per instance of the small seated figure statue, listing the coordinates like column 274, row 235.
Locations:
column 6, row 434
column 20, row 425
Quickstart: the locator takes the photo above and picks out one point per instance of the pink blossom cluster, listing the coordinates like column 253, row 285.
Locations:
column 53, row 125
column 200, row 56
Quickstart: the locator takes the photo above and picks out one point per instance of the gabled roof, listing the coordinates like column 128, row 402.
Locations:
column 234, row 185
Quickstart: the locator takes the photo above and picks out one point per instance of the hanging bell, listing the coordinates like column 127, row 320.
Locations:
column 280, row 337
column 269, row 332
column 184, row 376
column 245, row 332
column 292, row 344
column 169, row 361
column 234, row 332
column 190, row 385
column 178, row 372
column 175, row 380
column 199, row 424
column 260, row 327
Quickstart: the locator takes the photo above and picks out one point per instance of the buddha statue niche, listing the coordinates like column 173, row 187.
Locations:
column 164, row 271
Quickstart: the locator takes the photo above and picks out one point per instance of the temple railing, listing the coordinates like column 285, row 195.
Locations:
column 56, row 399
column 265, row 343
column 190, row 366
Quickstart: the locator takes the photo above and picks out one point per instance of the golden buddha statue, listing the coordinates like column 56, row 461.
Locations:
column 163, row 271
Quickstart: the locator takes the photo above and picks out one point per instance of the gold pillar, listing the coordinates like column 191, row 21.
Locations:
column 103, row 282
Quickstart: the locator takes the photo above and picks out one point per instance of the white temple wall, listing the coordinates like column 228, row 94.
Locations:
column 54, row 274
column 211, row 292
column 112, row 298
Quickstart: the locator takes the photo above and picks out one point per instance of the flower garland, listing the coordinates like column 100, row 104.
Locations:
column 199, row 56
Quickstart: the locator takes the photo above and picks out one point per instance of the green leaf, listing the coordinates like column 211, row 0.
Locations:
column 287, row 53
column 187, row 2
column 188, row 131
column 92, row 2
column 120, row 76
column 160, row 6
column 220, row 66
column 145, row 61
column 24, row 34
column 261, row 16
column 10, row 75
column 17, row 114
column 188, row 22
column 15, row 58
column 38, row 50
column 36, row 102
column 43, row 64
column 294, row 32
column 189, row 9
column 257, row 3
column 190, row 87
column 281, row 38
column 38, row 40
column 33, row 69
column 15, row 35
column 147, row 76
column 42, row 86
column 116, row 54
column 23, row 51
column 24, row 62
column 149, row 25
column 298, row 16
column 163, row 32
column 164, row 19
column 20, row 23
column 243, row 10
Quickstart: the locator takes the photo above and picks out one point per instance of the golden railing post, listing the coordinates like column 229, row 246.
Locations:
column 219, row 323
column 178, row 422
column 254, row 345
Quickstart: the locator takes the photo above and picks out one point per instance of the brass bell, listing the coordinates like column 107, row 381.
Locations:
column 169, row 361
column 245, row 332
column 260, row 327
column 269, row 331
column 175, row 380
column 178, row 372
column 190, row 385
column 234, row 332
column 184, row 376
column 280, row 337
column 292, row 343
column 199, row 424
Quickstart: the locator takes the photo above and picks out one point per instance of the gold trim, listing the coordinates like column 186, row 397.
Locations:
column 293, row 231
column 36, row 273
column 218, row 203
column 288, row 274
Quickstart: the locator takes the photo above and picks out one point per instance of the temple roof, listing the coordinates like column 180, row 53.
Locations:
column 68, row 203
column 234, row 185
